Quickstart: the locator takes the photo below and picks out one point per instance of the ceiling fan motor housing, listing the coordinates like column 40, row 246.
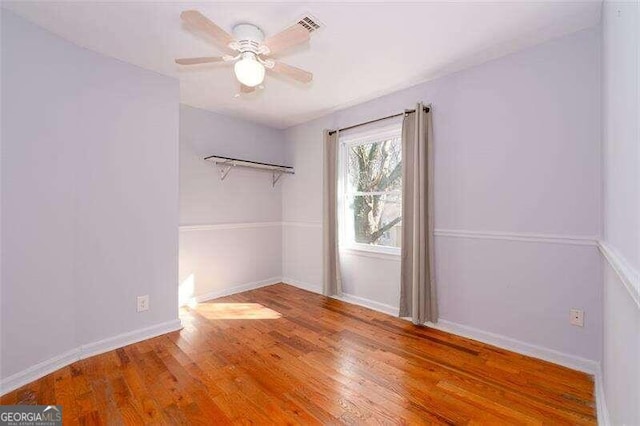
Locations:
column 249, row 38
column 249, row 49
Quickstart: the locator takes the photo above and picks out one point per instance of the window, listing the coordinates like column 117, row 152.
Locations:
column 371, row 189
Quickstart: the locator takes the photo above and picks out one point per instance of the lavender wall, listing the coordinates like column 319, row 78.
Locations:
column 245, row 195
column 517, row 147
column 238, row 239
column 89, row 197
column 621, row 149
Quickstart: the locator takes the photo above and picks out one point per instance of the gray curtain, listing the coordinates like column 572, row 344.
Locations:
column 332, row 283
column 417, row 284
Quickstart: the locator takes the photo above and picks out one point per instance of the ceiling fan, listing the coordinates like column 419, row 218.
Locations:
column 249, row 49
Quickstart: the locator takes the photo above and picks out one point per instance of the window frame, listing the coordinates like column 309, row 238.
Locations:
column 378, row 135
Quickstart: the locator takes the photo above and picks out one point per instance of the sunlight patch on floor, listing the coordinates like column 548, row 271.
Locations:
column 236, row 311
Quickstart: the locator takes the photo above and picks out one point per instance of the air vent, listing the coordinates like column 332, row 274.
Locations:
column 310, row 23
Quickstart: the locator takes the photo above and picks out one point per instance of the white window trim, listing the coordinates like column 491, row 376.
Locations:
column 361, row 138
column 370, row 253
column 378, row 135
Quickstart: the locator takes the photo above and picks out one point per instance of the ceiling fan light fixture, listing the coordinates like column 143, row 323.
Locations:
column 249, row 71
column 249, row 47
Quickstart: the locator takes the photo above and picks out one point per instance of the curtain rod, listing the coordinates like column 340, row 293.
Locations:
column 409, row 111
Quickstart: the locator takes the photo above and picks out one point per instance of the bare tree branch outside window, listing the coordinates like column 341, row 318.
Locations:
column 374, row 187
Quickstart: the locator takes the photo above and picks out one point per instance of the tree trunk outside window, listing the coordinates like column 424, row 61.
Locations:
column 375, row 168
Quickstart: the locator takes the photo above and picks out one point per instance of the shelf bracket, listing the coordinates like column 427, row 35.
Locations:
column 225, row 164
column 225, row 168
column 276, row 177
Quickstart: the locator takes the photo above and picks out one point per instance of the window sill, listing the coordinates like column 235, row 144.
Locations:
column 377, row 254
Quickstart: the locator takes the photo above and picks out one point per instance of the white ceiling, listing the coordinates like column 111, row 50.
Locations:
column 365, row 49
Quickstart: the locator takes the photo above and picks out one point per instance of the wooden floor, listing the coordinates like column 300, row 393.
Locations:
column 282, row 355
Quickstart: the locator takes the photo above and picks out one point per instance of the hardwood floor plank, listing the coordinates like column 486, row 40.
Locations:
column 63, row 395
column 281, row 355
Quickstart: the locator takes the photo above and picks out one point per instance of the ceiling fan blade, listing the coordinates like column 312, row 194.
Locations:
column 202, row 60
column 293, row 72
column 199, row 21
column 246, row 89
column 290, row 37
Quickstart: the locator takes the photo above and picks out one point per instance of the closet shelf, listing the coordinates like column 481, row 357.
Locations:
column 226, row 164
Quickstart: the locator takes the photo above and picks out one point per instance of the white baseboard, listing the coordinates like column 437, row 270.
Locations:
column 85, row 351
column 361, row 301
column 551, row 355
column 524, row 348
column 601, row 402
column 349, row 298
column 316, row 288
column 571, row 361
column 39, row 370
column 236, row 289
column 43, row 368
column 124, row 339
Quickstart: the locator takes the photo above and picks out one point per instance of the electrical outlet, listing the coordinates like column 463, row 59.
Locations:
column 143, row 303
column 577, row 317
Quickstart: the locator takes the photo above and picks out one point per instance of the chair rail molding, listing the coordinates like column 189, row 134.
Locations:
column 628, row 275
column 579, row 240
column 247, row 225
column 303, row 224
column 232, row 225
